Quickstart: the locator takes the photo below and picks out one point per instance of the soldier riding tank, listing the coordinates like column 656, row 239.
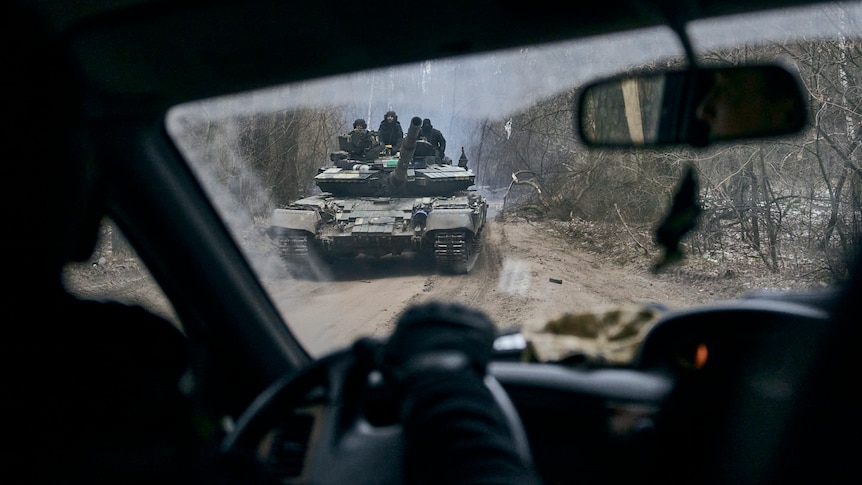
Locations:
column 377, row 203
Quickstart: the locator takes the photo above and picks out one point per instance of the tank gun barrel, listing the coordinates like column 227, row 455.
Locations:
column 398, row 178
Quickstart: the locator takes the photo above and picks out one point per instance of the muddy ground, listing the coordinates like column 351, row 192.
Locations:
column 529, row 271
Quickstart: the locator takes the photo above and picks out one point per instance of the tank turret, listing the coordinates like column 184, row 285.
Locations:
column 374, row 202
column 417, row 170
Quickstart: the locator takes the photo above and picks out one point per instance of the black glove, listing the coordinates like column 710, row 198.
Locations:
column 454, row 431
column 439, row 336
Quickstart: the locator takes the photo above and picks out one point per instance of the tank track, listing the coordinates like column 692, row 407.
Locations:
column 293, row 247
column 455, row 252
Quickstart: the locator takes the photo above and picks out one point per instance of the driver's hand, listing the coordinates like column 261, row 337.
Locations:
column 454, row 430
column 439, row 336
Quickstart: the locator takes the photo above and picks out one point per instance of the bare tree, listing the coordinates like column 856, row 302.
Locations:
column 760, row 198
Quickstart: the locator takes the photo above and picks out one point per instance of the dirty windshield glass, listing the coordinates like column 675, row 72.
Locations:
column 461, row 179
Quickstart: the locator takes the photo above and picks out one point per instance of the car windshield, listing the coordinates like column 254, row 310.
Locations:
column 543, row 224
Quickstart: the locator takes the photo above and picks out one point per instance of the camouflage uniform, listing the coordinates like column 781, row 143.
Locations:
column 360, row 139
column 434, row 137
column 390, row 132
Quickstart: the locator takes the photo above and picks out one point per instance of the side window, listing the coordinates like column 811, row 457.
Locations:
column 115, row 272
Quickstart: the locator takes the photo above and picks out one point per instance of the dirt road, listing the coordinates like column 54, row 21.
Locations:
column 528, row 272
column 525, row 274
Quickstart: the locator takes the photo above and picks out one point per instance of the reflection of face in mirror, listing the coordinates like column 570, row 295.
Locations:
column 751, row 102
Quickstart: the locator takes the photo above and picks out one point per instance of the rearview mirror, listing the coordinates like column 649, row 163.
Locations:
column 695, row 107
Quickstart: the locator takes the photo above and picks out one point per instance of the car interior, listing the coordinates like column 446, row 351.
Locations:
column 751, row 390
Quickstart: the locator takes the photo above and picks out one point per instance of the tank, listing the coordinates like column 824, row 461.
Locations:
column 374, row 202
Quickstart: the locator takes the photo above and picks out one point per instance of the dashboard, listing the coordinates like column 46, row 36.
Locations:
column 707, row 383
column 666, row 416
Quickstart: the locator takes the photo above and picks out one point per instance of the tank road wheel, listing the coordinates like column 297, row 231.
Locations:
column 456, row 251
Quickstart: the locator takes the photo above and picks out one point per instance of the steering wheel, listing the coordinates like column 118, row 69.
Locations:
column 336, row 422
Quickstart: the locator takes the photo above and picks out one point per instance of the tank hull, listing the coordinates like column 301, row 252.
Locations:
column 448, row 228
